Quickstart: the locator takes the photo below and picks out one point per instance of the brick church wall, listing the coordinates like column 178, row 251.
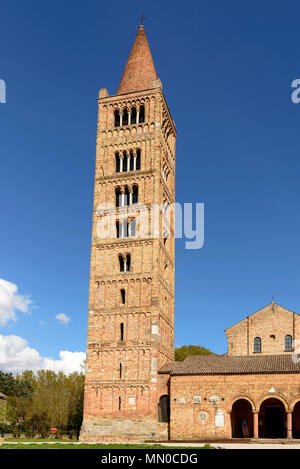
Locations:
column 186, row 422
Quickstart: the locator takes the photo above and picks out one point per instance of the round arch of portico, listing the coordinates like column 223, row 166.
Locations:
column 246, row 398
column 293, row 402
column 273, row 396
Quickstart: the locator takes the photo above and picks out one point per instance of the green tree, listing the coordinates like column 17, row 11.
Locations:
column 11, row 385
column 186, row 350
column 43, row 400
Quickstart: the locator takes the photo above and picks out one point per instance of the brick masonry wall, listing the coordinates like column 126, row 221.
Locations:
column 124, row 405
column 194, row 421
column 271, row 324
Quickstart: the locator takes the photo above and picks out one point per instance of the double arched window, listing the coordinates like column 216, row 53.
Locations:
column 124, row 261
column 288, row 343
column 128, row 161
column 129, row 116
column 257, row 345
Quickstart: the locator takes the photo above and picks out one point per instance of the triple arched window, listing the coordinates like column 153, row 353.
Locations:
column 128, row 161
column 134, row 115
column 127, row 196
column 126, row 228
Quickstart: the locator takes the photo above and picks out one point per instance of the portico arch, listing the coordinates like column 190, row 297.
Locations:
column 295, row 418
column 272, row 417
column 273, row 396
column 242, row 418
column 247, row 398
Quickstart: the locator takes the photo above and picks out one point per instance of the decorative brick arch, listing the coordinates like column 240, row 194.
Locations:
column 293, row 402
column 273, row 396
column 246, row 398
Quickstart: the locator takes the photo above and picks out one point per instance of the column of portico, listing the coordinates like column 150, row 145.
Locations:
column 255, row 424
column 289, row 424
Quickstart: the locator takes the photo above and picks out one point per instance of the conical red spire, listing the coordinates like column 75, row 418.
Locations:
column 139, row 72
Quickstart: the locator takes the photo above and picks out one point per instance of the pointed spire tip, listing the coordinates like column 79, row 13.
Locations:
column 139, row 71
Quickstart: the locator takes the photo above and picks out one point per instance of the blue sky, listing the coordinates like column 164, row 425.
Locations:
column 226, row 69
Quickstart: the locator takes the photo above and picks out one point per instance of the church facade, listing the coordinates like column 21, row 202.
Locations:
column 134, row 390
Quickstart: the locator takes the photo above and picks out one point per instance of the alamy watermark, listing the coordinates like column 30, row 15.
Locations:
column 162, row 221
column 2, row 92
column 296, row 351
column 295, row 97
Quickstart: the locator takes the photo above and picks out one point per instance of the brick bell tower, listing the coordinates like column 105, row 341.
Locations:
column 131, row 299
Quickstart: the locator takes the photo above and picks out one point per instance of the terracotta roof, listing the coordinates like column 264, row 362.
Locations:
column 167, row 368
column 139, row 72
column 232, row 365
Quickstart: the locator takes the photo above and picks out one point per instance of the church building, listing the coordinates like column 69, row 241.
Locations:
column 252, row 391
column 133, row 389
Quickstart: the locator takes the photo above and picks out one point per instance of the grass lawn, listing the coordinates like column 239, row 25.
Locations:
column 35, row 440
column 96, row 446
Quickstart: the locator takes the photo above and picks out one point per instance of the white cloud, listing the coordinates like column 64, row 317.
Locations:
column 63, row 319
column 16, row 356
column 11, row 301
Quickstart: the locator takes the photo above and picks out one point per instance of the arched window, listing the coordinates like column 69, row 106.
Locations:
column 165, row 173
column 257, row 345
column 126, row 196
column 122, row 264
column 132, row 228
column 123, row 296
column 117, row 163
column 125, row 229
column 125, row 161
column 288, row 343
column 127, row 262
column 118, row 230
column 133, row 115
column 164, row 409
column 121, row 331
column 138, row 159
column 120, row 403
column 142, row 114
column 120, row 371
column 117, row 118
column 131, row 167
column 135, row 194
column 118, row 197
column 125, row 117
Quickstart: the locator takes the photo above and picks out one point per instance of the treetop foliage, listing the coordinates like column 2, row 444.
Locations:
column 186, row 350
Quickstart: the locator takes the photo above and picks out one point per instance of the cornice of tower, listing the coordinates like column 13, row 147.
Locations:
column 126, row 175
